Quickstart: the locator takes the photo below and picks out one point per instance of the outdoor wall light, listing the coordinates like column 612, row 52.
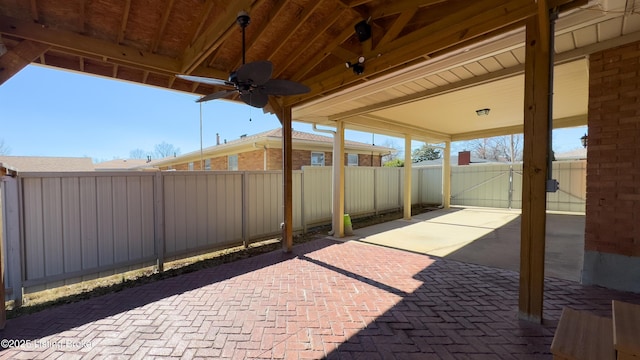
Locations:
column 584, row 139
column 483, row 112
column 358, row 68
column 363, row 30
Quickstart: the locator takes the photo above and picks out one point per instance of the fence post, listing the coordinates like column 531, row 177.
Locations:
column 303, row 218
column 510, row 185
column 158, row 221
column 375, row 191
column 245, row 208
column 11, row 212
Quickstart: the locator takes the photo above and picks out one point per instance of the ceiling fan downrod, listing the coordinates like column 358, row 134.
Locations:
column 243, row 20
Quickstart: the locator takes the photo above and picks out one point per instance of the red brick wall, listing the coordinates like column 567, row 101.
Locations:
column 613, row 152
column 251, row 160
column 254, row 160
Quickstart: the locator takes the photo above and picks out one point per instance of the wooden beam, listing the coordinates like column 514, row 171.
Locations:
column 19, row 57
column 428, row 93
column 337, row 15
column 275, row 13
column 82, row 17
column 123, row 22
column 34, row 11
column 300, row 22
column 534, row 178
column 466, row 22
column 163, row 25
column 213, row 36
column 392, row 128
column 70, row 41
column 397, row 26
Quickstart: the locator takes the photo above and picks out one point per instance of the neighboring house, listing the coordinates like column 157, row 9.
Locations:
column 263, row 151
column 577, row 154
column 122, row 164
column 454, row 160
column 47, row 163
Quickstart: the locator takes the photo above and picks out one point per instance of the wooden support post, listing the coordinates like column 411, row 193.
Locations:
column 446, row 176
column 536, row 126
column 407, row 177
column 287, row 176
column 19, row 57
column 3, row 309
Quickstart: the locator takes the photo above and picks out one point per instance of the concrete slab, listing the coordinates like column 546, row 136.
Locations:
column 483, row 236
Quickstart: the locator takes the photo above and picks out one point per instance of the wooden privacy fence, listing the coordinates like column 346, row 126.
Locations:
column 61, row 228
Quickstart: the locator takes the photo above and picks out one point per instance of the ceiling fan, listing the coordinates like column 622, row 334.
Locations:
column 252, row 81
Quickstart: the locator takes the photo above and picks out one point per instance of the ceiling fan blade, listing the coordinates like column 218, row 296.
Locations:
column 204, row 80
column 283, row 87
column 255, row 99
column 256, row 73
column 215, row 95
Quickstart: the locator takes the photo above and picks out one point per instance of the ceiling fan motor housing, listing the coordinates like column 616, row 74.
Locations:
column 243, row 19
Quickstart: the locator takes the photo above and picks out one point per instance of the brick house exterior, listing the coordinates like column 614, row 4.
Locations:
column 263, row 151
column 612, row 234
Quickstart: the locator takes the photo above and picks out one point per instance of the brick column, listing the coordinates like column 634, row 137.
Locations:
column 612, row 234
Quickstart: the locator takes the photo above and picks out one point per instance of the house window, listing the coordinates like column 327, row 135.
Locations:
column 207, row 164
column 191, row 166
column 317, row 159
column 352, row 159
column 233, row 162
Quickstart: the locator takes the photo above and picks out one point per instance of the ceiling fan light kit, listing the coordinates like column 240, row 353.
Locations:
column 252, row 81
column 358, row 68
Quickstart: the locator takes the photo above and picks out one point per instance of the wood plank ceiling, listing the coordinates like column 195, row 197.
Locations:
column 419, row 47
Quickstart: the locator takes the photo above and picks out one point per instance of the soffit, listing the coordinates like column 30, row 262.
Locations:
column 436, row 100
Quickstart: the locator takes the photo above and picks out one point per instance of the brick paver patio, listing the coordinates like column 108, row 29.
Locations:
column 325, row 300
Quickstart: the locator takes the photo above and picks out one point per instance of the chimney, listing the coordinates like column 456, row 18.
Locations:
column 217, row 138
column 148, row 158
column 243, row 136
column 464, row 157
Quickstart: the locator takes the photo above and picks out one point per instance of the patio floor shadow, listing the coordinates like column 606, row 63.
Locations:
column 327, row 299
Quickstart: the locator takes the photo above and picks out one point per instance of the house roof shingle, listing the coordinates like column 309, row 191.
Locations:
column 47, row 163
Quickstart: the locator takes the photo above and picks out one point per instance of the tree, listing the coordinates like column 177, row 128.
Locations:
column 499, row 148
column 137, row 154
column 394, row 163
column 392, row 155
column 164, row 149
column 4, row 149
column 425, row 152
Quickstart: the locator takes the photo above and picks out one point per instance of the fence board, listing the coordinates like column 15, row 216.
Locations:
column 52, row 226
column 317, row 182
column 359, row 192
column 77, row 223
column 33, row 229
column 105, row 221
column 72, row 240
column 88, row 222
column 387, row 182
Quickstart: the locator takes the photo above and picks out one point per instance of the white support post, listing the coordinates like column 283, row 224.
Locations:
column 407, row 177
column 446, row 176
column 338, row 181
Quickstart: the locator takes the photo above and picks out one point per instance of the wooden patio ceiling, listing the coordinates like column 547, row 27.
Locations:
column 309, row 41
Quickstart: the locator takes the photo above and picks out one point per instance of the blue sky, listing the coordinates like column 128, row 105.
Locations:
column 48, row 112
